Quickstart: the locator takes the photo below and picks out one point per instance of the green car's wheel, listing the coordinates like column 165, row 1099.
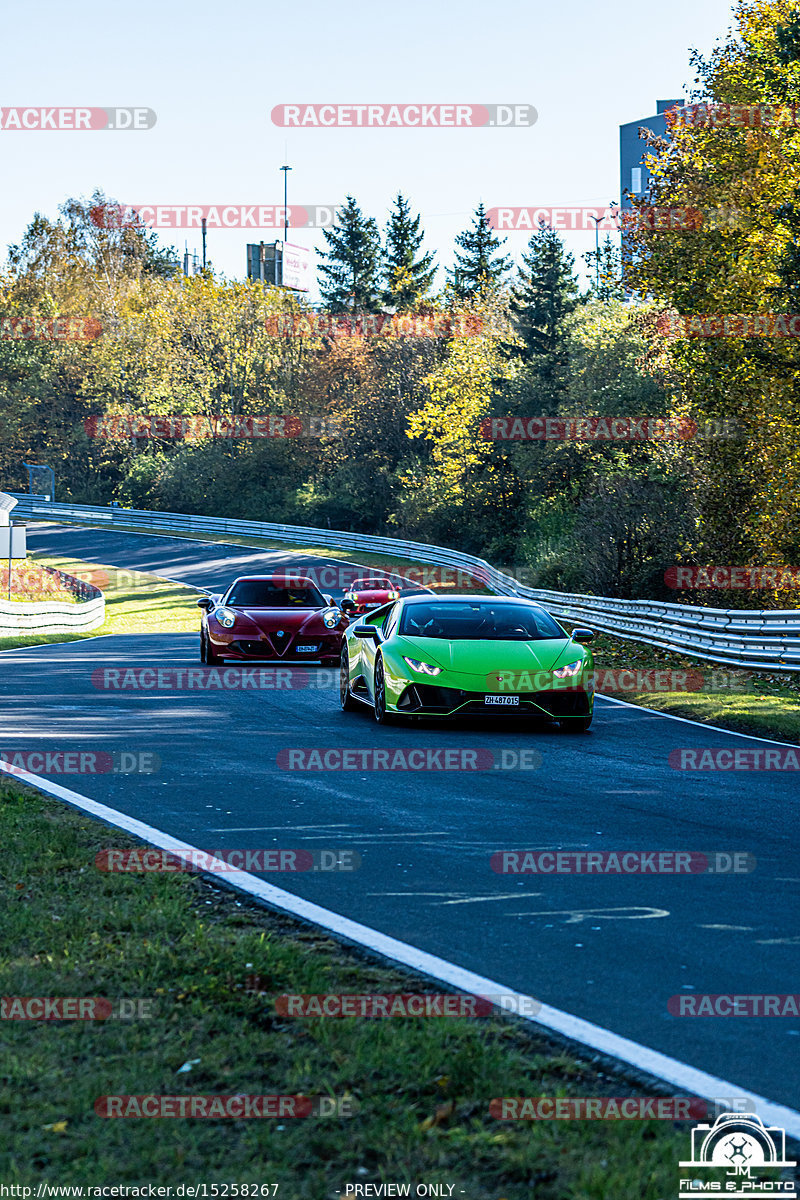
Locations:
column 379, row 692
column 576, row 725
column 345, row 699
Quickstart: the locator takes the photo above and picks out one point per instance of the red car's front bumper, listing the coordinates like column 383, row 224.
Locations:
column 294, row 648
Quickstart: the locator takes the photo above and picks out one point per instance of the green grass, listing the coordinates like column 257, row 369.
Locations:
column 422, row 1087
column 135, row 603
column 769, row 707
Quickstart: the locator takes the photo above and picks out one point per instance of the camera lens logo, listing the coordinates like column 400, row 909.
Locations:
column 741, row 1143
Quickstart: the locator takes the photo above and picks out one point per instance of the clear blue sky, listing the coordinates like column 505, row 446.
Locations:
column 213, row 72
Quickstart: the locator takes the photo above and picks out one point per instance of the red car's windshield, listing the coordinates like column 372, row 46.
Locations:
column 260, row 593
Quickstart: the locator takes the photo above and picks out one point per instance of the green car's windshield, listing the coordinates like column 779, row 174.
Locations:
column 481, row 620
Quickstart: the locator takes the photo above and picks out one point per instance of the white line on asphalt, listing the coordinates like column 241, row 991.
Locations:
column 52, row 645
column 693, row 1081
column 697, row 724
column 267, row 828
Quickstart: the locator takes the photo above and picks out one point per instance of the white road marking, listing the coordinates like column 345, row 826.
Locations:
column 691, row 1080
column 638, row 913
column 461, row 898
column 502, row 896
column 697, row 724
column 734, row 928
column 276, row 828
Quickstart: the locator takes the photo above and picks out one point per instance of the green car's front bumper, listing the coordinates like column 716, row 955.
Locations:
column 455, row 694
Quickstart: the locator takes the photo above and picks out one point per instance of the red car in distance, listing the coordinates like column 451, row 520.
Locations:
column 368, row 593
column 259, row 617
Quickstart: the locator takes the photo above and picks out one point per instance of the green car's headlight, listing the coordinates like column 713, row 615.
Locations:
column 226, row 617
column 569, row 670
column 423, row 668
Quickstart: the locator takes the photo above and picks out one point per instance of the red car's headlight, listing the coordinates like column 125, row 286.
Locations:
column 226, row 617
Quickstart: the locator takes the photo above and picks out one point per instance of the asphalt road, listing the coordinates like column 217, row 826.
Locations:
column 609, row 949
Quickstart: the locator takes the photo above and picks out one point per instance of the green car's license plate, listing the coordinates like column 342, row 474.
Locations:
column 501, row 700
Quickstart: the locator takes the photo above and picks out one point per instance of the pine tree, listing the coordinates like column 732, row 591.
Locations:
column 350, row 267
column 480, row 267
column 545, row 294
column 605, row 268
column 407, row 279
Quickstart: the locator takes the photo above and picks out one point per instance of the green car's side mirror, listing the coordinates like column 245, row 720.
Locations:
column 582, row 635
column 366, row 631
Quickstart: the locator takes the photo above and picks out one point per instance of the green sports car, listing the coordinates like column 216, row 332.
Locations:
column 452, row 656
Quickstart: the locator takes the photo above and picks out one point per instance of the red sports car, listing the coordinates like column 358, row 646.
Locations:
column 369, row 593
column 261, row 618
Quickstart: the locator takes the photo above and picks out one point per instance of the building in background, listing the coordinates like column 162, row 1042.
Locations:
column 633, row 174
column 280, row 264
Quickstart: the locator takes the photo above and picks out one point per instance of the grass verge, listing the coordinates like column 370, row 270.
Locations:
column 422, row 1086
column 135, row 603
column 769, row 705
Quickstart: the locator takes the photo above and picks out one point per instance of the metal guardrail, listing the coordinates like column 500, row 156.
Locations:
column 55, row 616
column 751, row 639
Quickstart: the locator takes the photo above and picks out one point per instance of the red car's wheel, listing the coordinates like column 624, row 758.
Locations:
column 207, row 652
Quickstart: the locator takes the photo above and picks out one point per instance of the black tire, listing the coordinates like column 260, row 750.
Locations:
column 576, row 725
column 212, row 659
column 379, row 694
column 203, row 650
column 345, row 699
